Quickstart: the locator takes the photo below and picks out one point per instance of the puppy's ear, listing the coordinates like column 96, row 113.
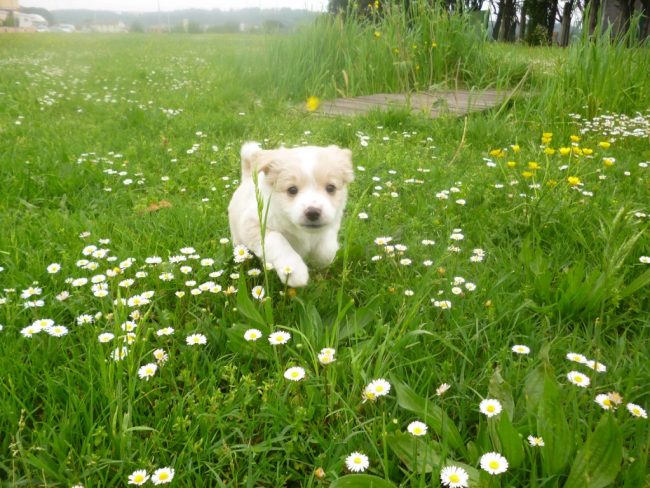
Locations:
column 255, row 159
column 343, row 159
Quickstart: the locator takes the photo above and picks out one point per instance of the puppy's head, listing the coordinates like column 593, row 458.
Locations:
column 308, row 185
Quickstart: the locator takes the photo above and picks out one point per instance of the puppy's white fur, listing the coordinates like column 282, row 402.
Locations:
column 303, row 192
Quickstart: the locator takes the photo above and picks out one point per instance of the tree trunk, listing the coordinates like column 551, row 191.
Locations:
column 566, row 23
column 497, row 23
column 594, row 6
column 507, row 21
column 644, row 24
column 522, row 22
column 550, row 19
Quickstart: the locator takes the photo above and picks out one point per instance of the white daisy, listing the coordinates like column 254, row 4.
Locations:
column 578, row 379
column 494, row 463
column 295, row 373
column 490, row 407
column 162, row 476
column 280, row 337
column 357, row 462
column 195, row 339
column 417, row 428
column 147, row 371
column 454, row 477
column 252, row 335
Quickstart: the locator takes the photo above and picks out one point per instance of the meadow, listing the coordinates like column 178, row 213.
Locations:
column 490, row 294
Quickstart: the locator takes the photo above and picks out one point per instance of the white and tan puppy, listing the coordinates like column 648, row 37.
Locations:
column 303, row 191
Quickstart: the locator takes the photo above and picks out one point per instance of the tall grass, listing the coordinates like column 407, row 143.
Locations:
column 393, row 52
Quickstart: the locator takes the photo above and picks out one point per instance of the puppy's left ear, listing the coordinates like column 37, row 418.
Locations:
column 344, row 159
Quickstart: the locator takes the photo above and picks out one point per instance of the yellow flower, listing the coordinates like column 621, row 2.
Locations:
column 575, row 138
column 434, row 44
column 573, row 180
column 551, row 183
column 565, row 151
column 497, row 152
column 533, row 165
column 417, row 67
column 549, row 150
column 395, row 50
column 515, row 148
column 608, row 162
column 527, row 174
column 576, row 150
column 377, row 34
column 547, row 135
column 546, row 140
column 587, row 152
column 604, row 144
column 511, row 164
column 312, row 103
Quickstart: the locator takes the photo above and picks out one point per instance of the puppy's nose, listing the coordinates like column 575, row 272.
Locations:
column 312, row 214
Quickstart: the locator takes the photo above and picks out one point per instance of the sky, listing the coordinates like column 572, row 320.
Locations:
column 168, row 5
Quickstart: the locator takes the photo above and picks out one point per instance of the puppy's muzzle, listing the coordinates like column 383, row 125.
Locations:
column 312, row 214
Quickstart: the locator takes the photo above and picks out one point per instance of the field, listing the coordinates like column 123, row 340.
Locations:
column 122, row 344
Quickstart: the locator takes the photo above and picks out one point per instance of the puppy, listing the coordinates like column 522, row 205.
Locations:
column 302, row 193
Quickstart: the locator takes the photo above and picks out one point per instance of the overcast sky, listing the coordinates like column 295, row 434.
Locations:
column 166, row 5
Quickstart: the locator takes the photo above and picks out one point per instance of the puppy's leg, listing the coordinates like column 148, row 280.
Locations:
column 287, row 262
column 326, row 250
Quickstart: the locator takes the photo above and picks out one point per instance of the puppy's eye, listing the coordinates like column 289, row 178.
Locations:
column 292, row 190
column 330, row 188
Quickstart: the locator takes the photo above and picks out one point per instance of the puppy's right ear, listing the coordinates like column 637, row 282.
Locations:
column 255, row 159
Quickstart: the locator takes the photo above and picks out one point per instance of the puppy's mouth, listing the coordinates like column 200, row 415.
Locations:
column 313, row 225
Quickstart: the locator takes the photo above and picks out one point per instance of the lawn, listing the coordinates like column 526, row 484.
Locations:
column 486, row 258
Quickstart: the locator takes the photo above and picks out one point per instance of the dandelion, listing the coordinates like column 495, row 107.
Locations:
column 357, row 462
column 578, row 379
column 521, row 349
column 490, row 407
column 573, row 180
column 195, row 339
column 138, row 477
column 454, row 477
column 312, row 104
column 147, row 371
column 258, row 292
column 162, row 476
column 280, row 337
column 535, row 441
column 295, row 373
column 636, row 410
column 417, row 428
column 494, row 463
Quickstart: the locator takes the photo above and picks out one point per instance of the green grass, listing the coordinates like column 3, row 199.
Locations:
column 561, row 273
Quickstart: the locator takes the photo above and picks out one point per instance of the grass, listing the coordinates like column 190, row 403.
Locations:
column 562, row 272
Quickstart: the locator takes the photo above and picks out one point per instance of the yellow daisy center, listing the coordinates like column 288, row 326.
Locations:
column 380, row 388
column 163, row 476
column 494, row 464
column 636, row 411
column 454, row 478
column 138, row 478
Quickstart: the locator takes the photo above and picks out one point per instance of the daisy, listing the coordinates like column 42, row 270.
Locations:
column 535, row 441
column 57, row 330
column 357, row 462
column 252, row 335
column 196, row 339
column 54, row 268
column 241, row 254
column 442, row 389
column 605, row 401
column 576, row 358
column 490, row 407
column 454, row 477
column 294, row 374
column 147, row 371
column 280, row 337
column 29, row 331
column 258, row 292
column 105, row 337
column 161, row 356
column 636, row 410
column 165, row 331
column 578, row 379
column 326, row 356
column 166, row 277
column 162, row 475
column 119, row 353
column 417, row 428
column 494, row 463
column 596, row 366
column 376, row 388
column 79, row 282
column 521, row 349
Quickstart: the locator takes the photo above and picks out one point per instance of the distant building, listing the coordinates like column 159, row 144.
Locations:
column 115, row 27
column 9, row 5
column 29, row 21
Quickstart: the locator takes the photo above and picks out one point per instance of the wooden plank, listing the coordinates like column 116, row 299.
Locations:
column 454, row 102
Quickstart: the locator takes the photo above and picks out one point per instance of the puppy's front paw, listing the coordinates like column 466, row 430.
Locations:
column 294, row 273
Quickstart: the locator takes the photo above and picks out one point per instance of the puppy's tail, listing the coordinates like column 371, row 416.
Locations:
column 248, row 152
